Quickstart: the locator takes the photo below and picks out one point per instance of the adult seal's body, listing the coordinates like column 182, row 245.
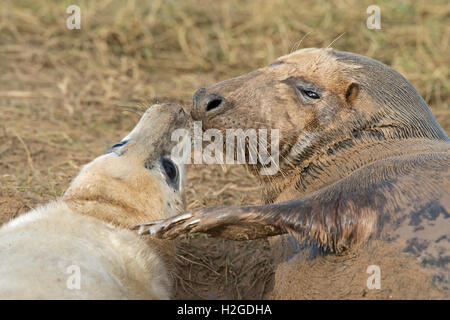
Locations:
column 363, row 181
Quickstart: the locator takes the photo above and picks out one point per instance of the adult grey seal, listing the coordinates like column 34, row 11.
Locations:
column 364, row 170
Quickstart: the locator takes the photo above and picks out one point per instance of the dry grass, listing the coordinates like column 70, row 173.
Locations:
column 61, row 92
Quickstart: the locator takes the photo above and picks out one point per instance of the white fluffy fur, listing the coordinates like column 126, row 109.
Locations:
column 37, row 249
column 89, row 227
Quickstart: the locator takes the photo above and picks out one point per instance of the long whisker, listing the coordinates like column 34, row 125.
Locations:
column 298, row 43
column 336, row 39
column 133, row 109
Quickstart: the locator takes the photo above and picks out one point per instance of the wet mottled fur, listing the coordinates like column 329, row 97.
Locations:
column 367, row 160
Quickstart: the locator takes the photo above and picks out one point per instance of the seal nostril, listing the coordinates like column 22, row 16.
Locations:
column 213, row 104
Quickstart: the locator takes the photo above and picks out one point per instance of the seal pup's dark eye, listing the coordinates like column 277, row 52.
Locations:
column 117, row 145
column 309, row 94
column 170, row 169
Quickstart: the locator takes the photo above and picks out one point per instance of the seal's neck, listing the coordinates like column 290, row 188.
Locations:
column 98, row 200
column 105, row 209
column 322, row 164
column 112, row 200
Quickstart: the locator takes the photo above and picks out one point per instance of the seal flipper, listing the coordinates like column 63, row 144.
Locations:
column 235, row 223
column 306, row 218
column 297, row 217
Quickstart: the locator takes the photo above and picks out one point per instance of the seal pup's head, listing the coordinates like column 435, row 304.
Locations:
column 137, row 179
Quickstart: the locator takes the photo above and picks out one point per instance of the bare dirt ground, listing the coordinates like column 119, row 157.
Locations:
column 67, row 95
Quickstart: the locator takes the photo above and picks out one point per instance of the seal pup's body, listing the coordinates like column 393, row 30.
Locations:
column 80, row 246
column 364, row 169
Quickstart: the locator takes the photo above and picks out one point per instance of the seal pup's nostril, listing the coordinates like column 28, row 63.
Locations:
column 213, row 102
column 171, row 105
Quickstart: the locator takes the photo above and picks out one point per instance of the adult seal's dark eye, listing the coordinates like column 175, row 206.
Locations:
column 310, row 94
column 170, row 169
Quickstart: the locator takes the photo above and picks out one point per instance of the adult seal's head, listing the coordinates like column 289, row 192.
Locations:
column 318, row 99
